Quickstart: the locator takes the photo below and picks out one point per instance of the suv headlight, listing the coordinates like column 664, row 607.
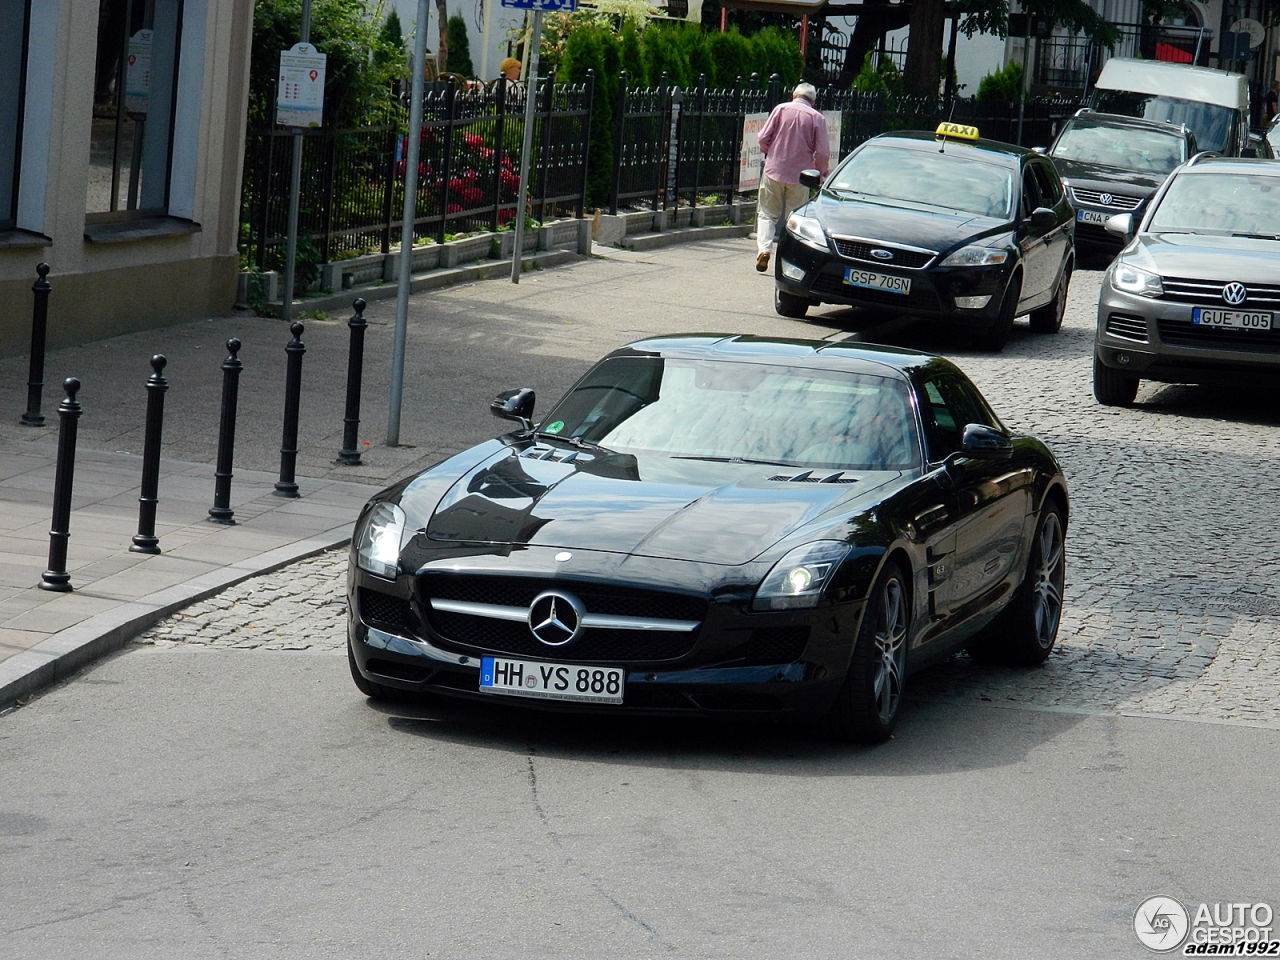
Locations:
column 378, row 541
column 1130, row 279
column 976, row 256
column 797, row 580
column 808, row 231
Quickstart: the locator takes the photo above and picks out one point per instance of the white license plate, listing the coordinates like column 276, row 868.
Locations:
column 1233, row 319
column 551, row 681
column 1093, row 216
column 877, row 281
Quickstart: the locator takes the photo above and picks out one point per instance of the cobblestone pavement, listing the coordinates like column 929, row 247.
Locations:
column 1173, row 600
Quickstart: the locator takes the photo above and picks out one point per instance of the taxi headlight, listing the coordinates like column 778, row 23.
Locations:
column 807, row 230
column 797, row 580
column 378, row 540
column 975, row 256
column 1130, row 279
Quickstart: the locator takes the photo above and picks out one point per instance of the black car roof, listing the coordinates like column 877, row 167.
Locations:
column 1116, row 120
column 991, row 151
column 865, row 358
column 1209, row 164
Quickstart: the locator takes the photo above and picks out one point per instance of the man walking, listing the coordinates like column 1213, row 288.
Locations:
column 794, row 138
column 1271, row 107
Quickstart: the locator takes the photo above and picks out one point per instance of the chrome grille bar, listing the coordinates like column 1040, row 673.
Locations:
column 598, row 621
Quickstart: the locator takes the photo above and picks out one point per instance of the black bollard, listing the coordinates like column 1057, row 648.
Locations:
column 350, row 453
column 39, row 324
column 285, row 486
column 145, row 540
column 56, row 577
column 221, row 511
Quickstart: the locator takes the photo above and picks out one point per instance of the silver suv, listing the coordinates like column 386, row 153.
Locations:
column 1194, row 297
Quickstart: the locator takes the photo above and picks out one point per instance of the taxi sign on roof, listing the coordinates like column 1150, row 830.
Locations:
column 959, row 131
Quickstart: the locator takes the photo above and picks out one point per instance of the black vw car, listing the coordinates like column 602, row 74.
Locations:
column 946, row 225
column 717, row 524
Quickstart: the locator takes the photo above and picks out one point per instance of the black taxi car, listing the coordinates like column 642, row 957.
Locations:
column 946, row 225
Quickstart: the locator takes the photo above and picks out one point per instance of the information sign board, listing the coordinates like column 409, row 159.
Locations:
column 300, row 92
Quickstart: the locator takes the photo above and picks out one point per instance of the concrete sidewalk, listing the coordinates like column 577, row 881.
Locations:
column 45, row 637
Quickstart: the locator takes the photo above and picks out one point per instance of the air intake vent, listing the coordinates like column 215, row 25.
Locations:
column 808, row 477
column 1127, row 328
column 556, row 455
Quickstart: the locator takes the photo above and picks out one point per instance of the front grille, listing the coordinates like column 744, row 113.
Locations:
column 1261, row 296
column 592, row 646
column 1127, row 328
column 776, row 644
column 1184, row 333
column 917, row 300
column 1094, row 198
column 383, row 610
column 597, row 598
column 861, row 250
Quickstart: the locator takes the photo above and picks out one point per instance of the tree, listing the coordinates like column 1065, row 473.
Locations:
column 459, row 47
column 442, row 54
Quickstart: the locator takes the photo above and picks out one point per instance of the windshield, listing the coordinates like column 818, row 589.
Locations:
column 1128, row 148
column 1211, row 124
column 728, row 410
column 1228, row 203
column 950, row 181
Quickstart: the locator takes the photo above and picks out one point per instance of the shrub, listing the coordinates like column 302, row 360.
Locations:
column 459, row 47
column 1003, row 86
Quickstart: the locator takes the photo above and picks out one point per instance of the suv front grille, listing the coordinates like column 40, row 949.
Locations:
column 861, row 250
column 1127, row 328
column 1261, row 296
column 1184, row 333
column 1118, row 203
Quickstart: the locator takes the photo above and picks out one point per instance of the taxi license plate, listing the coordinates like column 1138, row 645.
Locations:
column 1232, row 319
column 1093, row 216
column 877, row 281
column 551, row 681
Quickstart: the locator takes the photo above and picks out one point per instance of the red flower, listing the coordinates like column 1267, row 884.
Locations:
column 453, row 208
column 456, row 185
column 472, row 196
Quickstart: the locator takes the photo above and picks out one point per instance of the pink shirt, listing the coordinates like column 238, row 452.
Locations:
column 793, row 139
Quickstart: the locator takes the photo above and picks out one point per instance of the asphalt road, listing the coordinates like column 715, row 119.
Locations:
column 223, row 793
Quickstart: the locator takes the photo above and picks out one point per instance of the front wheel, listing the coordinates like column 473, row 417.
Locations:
column 789, row 305
column 1048, row 319
column 1111, row 387
column 866, row 709
column 998, row 335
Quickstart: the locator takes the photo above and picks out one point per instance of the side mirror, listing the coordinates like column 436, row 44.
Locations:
column 1121, row 225
column 515, row 405
column 1043, row 219
column 985, row 443
column 1043, row 151
column 1249, row 153
column 811, row 179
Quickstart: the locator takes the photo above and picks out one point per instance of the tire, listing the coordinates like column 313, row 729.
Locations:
column 1027, row 629
column 1048, row 319
column 867, row 707
column 789, row 305
column 374, row 691
column 995, row 338
column 1111, row 387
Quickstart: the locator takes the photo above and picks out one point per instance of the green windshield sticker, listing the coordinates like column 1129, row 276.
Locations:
column 555, row 427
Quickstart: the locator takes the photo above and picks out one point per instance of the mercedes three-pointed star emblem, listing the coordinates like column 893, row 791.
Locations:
column 556, row 618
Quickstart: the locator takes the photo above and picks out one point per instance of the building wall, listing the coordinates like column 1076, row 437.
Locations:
column 104, row 288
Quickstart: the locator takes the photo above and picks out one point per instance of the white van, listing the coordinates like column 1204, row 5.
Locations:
column 1213, row 104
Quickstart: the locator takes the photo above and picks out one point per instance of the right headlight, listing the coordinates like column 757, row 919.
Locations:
column 798, row 579
column 808, row 231
column 976, row 256
column 378, row 540
column 1130, row 279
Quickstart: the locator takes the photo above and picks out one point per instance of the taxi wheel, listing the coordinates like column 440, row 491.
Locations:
column 1048, row 319
column 1112, row 388
column 996, row 337
column 789, row 305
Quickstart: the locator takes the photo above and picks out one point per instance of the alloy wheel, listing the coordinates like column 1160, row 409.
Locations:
column 890, row 650
column 1050, row 579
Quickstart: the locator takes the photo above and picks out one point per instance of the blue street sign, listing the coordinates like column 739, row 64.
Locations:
column 547, row 6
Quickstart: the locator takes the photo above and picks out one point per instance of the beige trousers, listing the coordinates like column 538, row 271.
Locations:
column 774, row 204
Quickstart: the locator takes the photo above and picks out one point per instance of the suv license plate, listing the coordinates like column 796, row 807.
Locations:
column 1232, row 319
column 877, row 281
column 551, row 681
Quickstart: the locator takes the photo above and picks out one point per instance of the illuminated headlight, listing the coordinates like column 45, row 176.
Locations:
column 975, row 256
column 807, row 230
column 1129, row 279
column 791, row 271
column 972, row 303
column 798, row 579
column 378, row 541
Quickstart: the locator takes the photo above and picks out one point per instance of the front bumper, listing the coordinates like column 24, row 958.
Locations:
column 933, row 288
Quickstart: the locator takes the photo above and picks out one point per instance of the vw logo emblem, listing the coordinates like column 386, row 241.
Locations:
column 555, row 618
column 1234, row 293
column 1106, row 199
column 882, row 254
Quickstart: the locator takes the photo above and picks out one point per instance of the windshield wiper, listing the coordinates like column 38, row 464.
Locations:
column 1257, row 236
column 767, row 463
column 573, row 441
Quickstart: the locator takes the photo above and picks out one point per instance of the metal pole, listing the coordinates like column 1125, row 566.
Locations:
column 221, row 511
column 530, row 110
column 1022, row 98
column 406, row 227
column 350, row 453
column 145, row 540
column 295, row 186
column 484, row 40
column 286, row 485
column 39, row 325
column 56, row 577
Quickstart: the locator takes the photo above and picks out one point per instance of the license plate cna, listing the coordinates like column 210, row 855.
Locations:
column 877, row 281
column 551, row 681
column 1231, row 319
column 1093, row 216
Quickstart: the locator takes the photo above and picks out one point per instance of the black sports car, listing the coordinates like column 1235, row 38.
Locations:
column 712, row 524
column 968, row 231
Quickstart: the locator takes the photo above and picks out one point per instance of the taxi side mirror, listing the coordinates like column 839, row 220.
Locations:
column 1043, row 219
column 1121, row 225
column 811, row 179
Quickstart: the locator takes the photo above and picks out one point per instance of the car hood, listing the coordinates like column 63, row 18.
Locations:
column 1104, row 179
column 1204, row 257
column 711, row 512
column 930, row 229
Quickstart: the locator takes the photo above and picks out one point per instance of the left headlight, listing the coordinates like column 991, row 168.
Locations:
column 807, row 230
column 975, row 256
column 798, row 579
column 378, row 541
